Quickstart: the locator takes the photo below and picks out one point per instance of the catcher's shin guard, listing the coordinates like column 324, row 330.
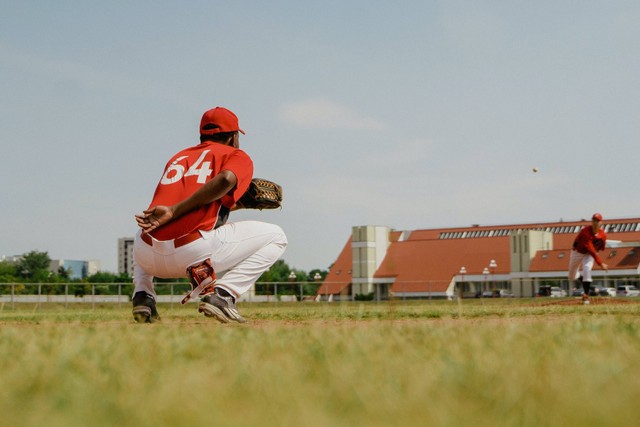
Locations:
column 202, row 277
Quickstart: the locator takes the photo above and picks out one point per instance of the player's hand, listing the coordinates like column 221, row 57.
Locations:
column 605, row 267
column 154, row 217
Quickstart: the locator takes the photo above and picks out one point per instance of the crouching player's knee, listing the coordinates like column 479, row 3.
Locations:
column 282, row 238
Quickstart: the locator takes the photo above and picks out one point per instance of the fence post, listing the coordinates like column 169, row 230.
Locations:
column 66, row 295
column 13, row 292
column 93, row 296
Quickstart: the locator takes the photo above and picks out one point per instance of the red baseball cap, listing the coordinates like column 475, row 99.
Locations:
column 597, row 216
column 218, row 120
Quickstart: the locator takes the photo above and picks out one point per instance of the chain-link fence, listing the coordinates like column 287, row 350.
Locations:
column 120, row 293
column 487, row 287
column 173, row 292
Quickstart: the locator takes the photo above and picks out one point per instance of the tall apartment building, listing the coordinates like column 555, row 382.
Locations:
column 125, row 255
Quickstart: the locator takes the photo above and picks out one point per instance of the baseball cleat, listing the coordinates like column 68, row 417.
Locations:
column 221, row 306
column 144, row 308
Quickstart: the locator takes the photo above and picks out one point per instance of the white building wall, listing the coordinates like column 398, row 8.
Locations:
column 369, row 245
column 523, row 245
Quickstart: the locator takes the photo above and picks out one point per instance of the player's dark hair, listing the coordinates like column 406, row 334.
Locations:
column 217, row 137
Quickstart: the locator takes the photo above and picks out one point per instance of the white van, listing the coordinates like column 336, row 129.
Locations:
column 628, row 291
column 608, row 292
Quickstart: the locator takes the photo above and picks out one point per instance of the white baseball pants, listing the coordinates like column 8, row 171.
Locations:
column 580, row 264
column 239, row 251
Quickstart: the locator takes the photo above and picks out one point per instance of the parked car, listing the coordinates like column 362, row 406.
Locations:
column 608, row 292
column 628, row 291
column 577, row 292
column 557, row 292
column 487, row 294
column 544, row 291
column 595, row 291
column 502, row 293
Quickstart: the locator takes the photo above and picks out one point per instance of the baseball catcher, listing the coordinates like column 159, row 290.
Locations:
column 183, row 232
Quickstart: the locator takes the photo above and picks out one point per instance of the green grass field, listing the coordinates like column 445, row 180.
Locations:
column 444, row 363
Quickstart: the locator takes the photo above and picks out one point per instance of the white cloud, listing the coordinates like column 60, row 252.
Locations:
column 323, row 113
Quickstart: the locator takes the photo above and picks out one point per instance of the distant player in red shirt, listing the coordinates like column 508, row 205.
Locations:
column 184, row 231
column 588, row 242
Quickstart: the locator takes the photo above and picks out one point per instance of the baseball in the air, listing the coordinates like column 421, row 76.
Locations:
column 535, row 170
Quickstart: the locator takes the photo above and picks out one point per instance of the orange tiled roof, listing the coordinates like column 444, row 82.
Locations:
column 426, row 260
column 339, row 276
column 418, row 265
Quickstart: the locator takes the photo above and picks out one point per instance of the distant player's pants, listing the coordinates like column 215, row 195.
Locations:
column 239, row 251
column 580, row 265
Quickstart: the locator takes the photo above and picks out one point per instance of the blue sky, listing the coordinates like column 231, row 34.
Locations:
column 414, row 114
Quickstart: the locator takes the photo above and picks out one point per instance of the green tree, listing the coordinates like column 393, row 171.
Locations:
column 34, row 266
column 105, row 277
column 279, row 272
column 8, row 271
column 64, row 274
column 8, row 274
column 102, row 277
column 321, row 273
column 314, row 280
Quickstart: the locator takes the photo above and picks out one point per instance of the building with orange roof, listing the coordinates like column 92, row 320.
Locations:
column 379, row 262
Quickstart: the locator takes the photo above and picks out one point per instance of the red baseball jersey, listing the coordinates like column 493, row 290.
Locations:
column 587, row 242
column 186, row 172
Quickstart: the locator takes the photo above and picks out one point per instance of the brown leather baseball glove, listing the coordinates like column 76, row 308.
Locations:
column 261, row 194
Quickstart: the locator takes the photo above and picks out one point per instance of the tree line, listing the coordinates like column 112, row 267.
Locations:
column 34, row 268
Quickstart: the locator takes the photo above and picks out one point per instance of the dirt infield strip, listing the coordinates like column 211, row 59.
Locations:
column 594, row 301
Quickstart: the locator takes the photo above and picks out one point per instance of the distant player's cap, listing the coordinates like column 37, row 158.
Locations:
column 597, row 216
column 219, row 120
